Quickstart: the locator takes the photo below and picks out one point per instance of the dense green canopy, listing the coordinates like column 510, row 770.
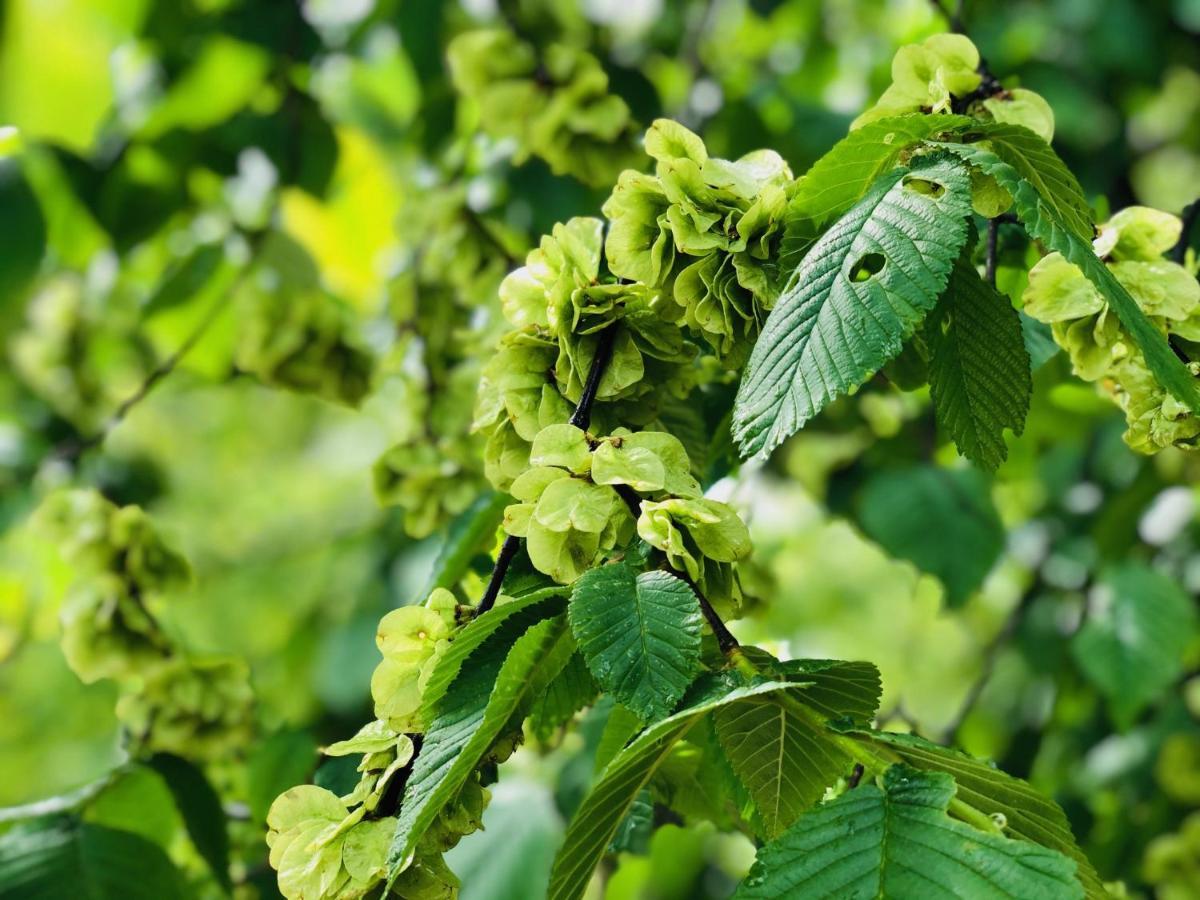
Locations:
column 378, row 387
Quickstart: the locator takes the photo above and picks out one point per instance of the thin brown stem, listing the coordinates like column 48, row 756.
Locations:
column 581, row 418
column 503, row 560
column 856, row 775
column 73, row 450
column 725, row 639
column 991, row 655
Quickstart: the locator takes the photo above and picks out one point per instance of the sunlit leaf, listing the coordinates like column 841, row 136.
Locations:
column 895, row 840
column 640, row 635
column 605, row 807
column 65, row 859
column 979, row 374
column 858, row 294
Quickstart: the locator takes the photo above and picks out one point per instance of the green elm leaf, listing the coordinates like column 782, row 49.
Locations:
column 897, row 841
column 620, row 727
column 605, row 807
column 572, row 690
column 136, row 799
column 941, row 520
column 857, row 296
column 1132, row 644
column 1039, row 203
column 72, row 859
column 980, row 375
column 633, row 834
column 782, row 757
column 201, row 809
column 527, row 610
column 778, row 746
column 499, row 685
column 640, row 635
column 1030, row 815
column 1036, row 163
column 841, row 177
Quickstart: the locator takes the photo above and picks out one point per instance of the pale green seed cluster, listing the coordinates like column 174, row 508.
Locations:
column 929, row 77
column 431, row 374
column 431, row 480
column 556, row 106
column 706, row 232
column 320, row 850
column 195, row 707
column 325, row 846
column 1172, row 862
column 572, row 516
column 701, row 537
column 411, row 639
column 559, row 304
column 191, row 707
column 301, row 341
column 1132, row 244
column 71, row 350
column 680, row 284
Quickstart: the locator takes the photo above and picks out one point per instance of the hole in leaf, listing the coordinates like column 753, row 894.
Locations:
column 871, row 264
column 924, row 186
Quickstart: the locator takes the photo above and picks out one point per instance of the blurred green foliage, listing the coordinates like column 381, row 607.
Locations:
column 291, row 222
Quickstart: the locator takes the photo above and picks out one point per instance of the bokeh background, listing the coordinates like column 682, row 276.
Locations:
column 148, row 148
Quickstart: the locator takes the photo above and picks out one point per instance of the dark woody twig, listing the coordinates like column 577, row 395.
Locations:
column 581, row 418
column 991, row 655
column 725, row 639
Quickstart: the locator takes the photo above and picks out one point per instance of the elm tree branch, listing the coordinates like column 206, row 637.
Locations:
column 70, row 451
column 581, row 418
column 725, row 639
column 991, row 655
